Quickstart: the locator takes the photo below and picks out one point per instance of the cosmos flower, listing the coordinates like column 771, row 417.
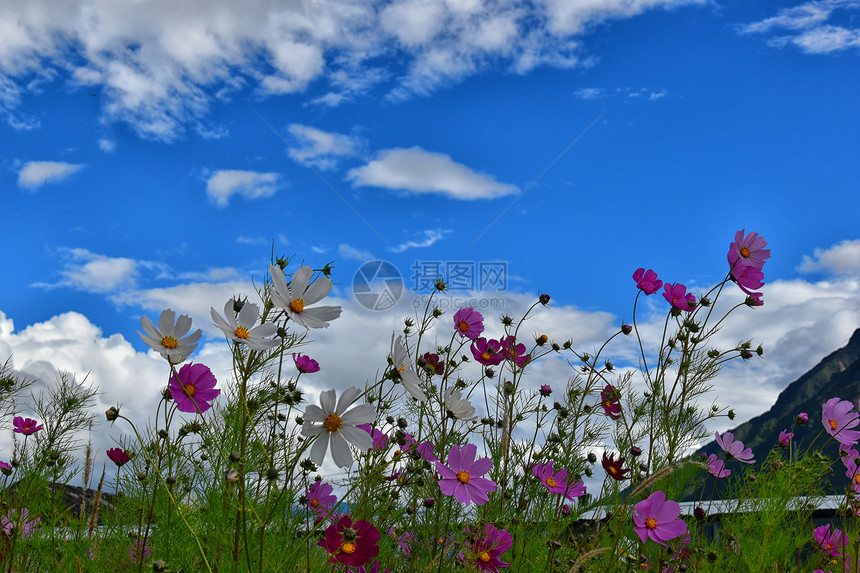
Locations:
column 351, row 543
column 462, row 477
column 545, row 390
column 785, row 438
column 852, row 472
column 514, row 352
column 321, row 498
column 119, row 456
column 678, row 296
column 468, row 323
column 432, row 363
column 334, row 423
column 609, row 401
column 424, row 449
column 838, row 419
column 484, row 553
column 487, row 352
column 749, row 279
column 716, row 466
column 301, row 294
column 6, row 468
column 614, row 468
column 403, row 364
column 647, row 281
column 240, row 327
column 380, row 440
column 556, row 482
column 833, row 544
column 14, row 522
column 25, row 426
column 656, row 518
column 461, row 407
column 748, row 250
column 193, row 388
column 734, row 448
column 305, row 364
column 170, row 339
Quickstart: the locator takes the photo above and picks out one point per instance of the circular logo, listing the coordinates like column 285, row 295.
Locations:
column 377, row 285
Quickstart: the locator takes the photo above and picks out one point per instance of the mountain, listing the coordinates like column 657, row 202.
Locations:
column 838, row 374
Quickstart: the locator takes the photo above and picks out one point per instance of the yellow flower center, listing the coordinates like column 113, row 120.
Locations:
column 190, row 389
column 333, row 423
column 613, row 470
column 608, row 403
column 169, row 342
column 241, row 332
column 833, row 424
column 484, row 556
column 651, row 523
column 856, row 478
column 463, row 476
column 463, row 326
column 315, row 502
column 745, row 252
column 349, row 547
column 550, row 482
column 486, row 355
column 297, row 305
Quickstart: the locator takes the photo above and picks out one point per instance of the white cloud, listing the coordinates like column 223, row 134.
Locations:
column 349, row 252
column 431, row 236
column 159, row 66
column 319, row 148
column 107, row 145
column 808, row 28
column 841, row 259
column 34, row 174
column 589, row 94
column 422, row 171
column 222, row 185
column 97, row 273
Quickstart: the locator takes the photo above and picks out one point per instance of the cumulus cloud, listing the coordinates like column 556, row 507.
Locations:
column 841, row 259
column 93, row 272
column 422, row 171
column 808, row 27
column 160, row 66
column 34, row 174
column 222, row 185
column 319, row 148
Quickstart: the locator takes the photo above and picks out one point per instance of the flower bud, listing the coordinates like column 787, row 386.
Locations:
column 272, row 474
column 440, row 285
column 542, row 339
column 544, row 299
column 231, row 475
column 159, row 565
column 112, row 414
column 699, row 513
column 635, row 451
column 592, row 458
column 234, row 456
column 490, row 372
column 507, row 320
column 801, row 419
column 437, row 312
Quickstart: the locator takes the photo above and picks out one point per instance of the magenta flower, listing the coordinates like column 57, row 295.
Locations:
column 468, row 322
column 838, row 419
column 610, row 403
column 678, row 296
column 755, row 299
column 6, row 468
column 716, row 466
column 734, row 449
column 748, row 251
column 193, row 388
column 785, row 438
column 321, row 499
column 615, row 468
column 462, row 476
column 852, row 471
column 657, row 519
column 833, row 544
column 545, row 390
column 647, row 281
column 801, row 418
column 380, row 440
column 25, row 426
column 432, row 363
column 424, row 449
column 514, row 352
column 305, row 364
column 749, row 279
column 487, row 352
column 556, row 482
column 119, row 456
column 484, row 553
column 18, row 522
column 358, row 546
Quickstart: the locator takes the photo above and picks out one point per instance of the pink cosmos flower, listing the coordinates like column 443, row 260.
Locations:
column 755, row 299
column 514, row 352
column 748, row 278
column 657, row 519
column 833, row 544
column 852, row 471
column 321, row 499
column 838, row 419
column 462, row 476
column 556, row 482
column 716, row 466
column 487, row 352
column 545, row 390
column 484, row 553
column 360, row 549
column 193, row 388
column 6, row 468
column 647, row 281
column 748, row 251
column 380, row 440
column 734, row 448
column 25, row 426
column 678, row 296
column 119, row 456
column 18, row 521
column 305, row 364
column 432, row 363
column 424, row 449
column 801, row 418
column 469, row 323
column 610, row 403
column 785, row 438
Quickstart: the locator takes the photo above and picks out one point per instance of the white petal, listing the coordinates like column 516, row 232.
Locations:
column 222, row 324
column 183, row 325
column 300, row 281
column 357, row 437
column 314, row 413
column 348, row 397
column 317, row 291
column 248, row 315
column 281, row 294
column 363, row 414
column 412, row 384
column 319, row 448
column 317, row 317
column 309, row 429
column 327, row 401
column 340, row 452
column 149, row 328
column 166, row 322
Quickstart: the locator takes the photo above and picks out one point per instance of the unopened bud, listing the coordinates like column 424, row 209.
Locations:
column 231, row 475
column 544, row 299
column 112, row 414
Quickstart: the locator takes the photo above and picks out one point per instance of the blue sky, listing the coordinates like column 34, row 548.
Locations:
column 154, row 153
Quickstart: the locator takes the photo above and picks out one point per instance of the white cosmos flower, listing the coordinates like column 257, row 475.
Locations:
column 459, row 406
column 403, row 364
column 335, row 424
column 240, row 327
column 301, row 293
column 168, row 339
